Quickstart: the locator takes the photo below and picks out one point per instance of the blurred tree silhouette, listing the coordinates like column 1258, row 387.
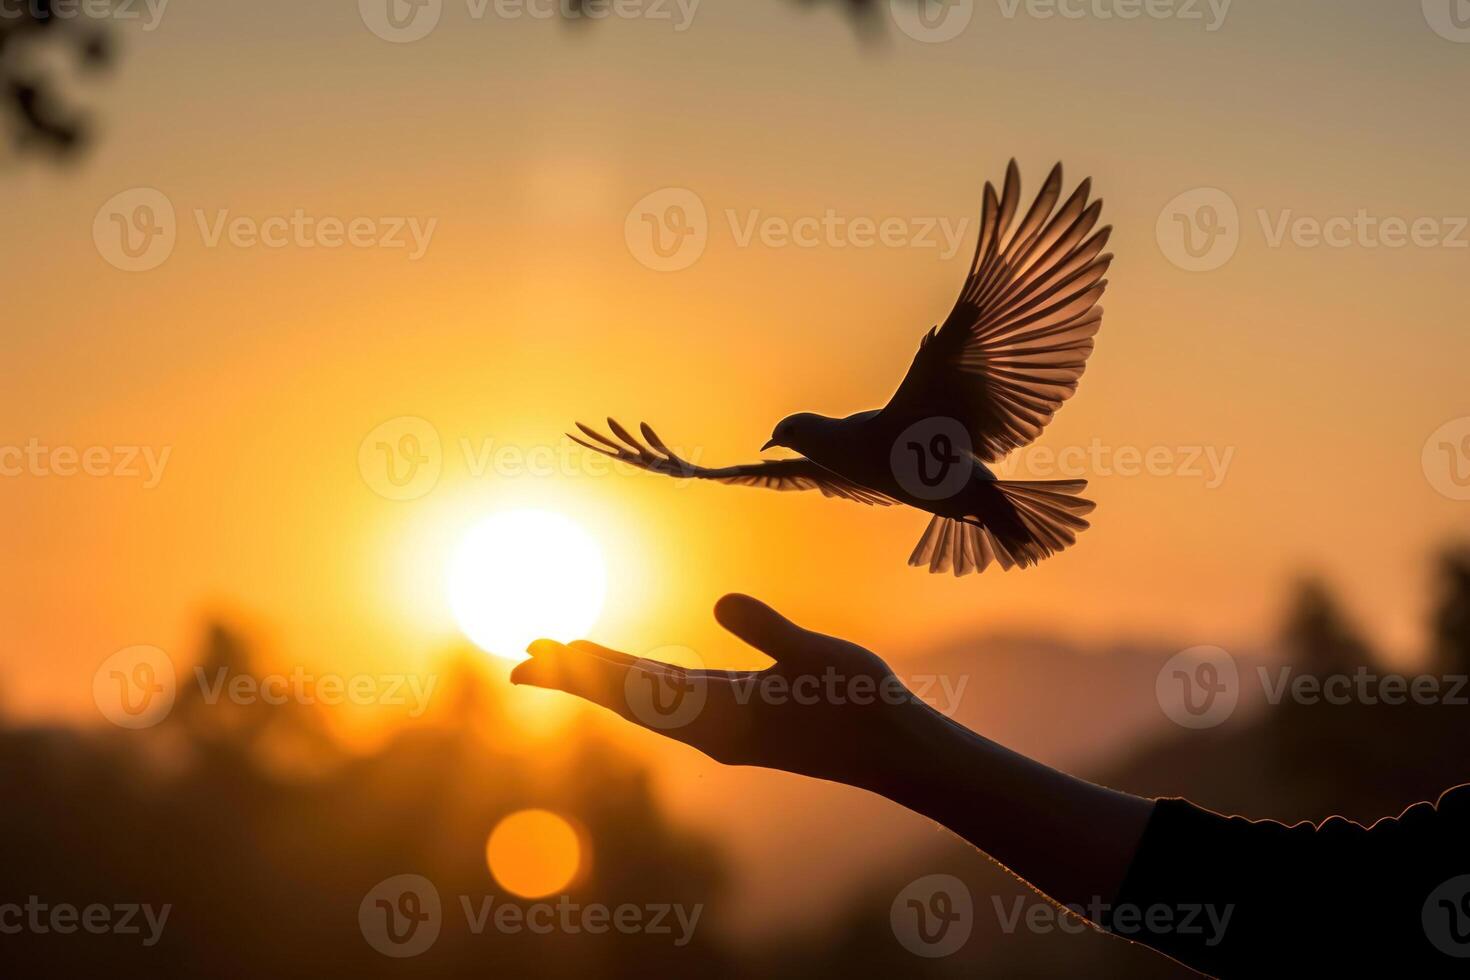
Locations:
column 265, row 867
column 863, row 12
column 1317, row 636
column 1450, row 620
column 40, row 118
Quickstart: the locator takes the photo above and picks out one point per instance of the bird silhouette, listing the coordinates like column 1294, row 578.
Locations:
column 983, row 384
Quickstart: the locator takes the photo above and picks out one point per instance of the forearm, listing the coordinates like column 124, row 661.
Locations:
column 1226, row 896
column 1069, row 838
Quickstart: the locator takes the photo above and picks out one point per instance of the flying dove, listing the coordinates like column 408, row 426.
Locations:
column 983, row 384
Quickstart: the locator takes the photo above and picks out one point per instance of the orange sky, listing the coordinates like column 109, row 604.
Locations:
column 1322, row 370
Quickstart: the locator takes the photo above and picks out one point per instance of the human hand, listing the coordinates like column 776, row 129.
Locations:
column 826, row 708
column 830, row 709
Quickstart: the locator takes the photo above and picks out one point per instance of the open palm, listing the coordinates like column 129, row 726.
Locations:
column 826, row 708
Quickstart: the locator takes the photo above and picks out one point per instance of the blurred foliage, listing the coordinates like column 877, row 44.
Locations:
column 42, row 118
column 32, row 34
column 1452, row 611
column 1317, row 636
column 265, row 833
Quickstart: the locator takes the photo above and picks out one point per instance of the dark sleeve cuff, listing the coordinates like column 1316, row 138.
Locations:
column 1234, row 897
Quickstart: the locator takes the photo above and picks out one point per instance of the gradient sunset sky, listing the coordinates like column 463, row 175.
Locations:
column 1322, row 371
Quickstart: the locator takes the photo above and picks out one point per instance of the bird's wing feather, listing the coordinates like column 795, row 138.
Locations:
column 782, row 474
column 1017, row 341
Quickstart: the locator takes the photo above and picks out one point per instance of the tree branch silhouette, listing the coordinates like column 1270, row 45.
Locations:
column 30, row 94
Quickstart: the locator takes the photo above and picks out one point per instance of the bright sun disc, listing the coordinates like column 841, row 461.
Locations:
column 526, row 574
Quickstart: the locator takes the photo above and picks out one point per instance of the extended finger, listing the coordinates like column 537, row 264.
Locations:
column 586, row 675
column 765, row 629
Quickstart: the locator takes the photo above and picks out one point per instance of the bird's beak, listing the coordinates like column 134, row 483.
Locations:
column 768, row 445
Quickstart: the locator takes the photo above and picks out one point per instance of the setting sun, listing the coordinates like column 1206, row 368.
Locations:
column 525, row 574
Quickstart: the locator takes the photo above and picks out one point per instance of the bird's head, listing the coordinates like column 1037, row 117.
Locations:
column 792, row 431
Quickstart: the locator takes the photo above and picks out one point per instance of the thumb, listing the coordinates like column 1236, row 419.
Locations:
column 767, row 630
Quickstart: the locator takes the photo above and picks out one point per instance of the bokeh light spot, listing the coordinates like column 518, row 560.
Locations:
column 534, row 853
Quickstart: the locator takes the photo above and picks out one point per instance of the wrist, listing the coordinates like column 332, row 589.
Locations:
column 906, row 752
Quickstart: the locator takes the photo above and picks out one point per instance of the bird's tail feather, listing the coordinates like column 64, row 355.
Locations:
column 1048, row 518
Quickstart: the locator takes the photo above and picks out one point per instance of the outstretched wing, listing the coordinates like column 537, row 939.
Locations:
column 1019, row 336
column 780, row 474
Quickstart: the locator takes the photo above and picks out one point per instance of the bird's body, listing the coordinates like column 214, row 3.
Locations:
column 841, row 446
column 981, row 385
